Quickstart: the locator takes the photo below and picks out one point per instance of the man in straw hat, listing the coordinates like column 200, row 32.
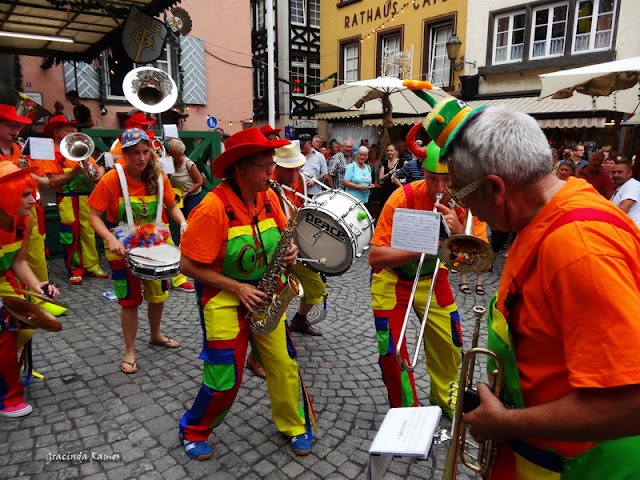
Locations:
column 232, row 236
column 16, row 202
column 576, row 406
column 391, row 283
column 72, row 191
column 10, row 126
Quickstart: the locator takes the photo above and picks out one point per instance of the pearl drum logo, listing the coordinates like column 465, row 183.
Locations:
column 321, row 224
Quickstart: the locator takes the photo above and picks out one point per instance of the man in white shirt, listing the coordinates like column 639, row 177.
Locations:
column 315, row 167
column 627, row 194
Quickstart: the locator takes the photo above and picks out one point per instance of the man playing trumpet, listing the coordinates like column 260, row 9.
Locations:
column 72, row 192
column 391, row 282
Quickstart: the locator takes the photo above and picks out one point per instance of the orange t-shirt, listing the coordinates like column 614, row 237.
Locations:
column 578, row 323
column 106, row 196
column 206, row 238
column 398, row 199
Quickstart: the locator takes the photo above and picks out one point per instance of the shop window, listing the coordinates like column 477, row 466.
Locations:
column 350, row 61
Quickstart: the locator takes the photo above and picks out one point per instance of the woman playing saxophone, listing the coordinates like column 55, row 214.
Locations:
column 232, row 238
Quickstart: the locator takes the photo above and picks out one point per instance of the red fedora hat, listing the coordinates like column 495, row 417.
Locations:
column 138, row 118
column 55, row 122
column 267, row 130
column 8, row 112
column 242, row 144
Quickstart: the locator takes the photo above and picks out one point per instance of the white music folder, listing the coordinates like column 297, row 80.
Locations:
column 405, row 432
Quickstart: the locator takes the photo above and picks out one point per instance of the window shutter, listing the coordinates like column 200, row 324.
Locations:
column 194, row 90
column 82, row 77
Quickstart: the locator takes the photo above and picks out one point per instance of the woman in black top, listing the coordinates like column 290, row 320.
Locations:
column 389, row 167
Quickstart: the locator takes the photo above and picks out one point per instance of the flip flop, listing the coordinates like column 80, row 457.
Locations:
column 479, row 290
column 464, row 288
column 134, row 366
column 168, row 343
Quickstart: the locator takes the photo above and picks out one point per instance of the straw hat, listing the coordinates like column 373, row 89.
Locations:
column 289, row 156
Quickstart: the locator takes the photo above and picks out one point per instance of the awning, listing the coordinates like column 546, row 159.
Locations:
column 530, row 105
column 341, row 114
column 91, row 25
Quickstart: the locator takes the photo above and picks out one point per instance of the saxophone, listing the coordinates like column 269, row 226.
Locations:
column 265, row 319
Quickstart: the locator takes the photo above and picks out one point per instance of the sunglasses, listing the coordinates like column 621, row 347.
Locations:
column 458, row 195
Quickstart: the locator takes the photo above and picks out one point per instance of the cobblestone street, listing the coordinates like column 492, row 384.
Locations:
column 119, row 426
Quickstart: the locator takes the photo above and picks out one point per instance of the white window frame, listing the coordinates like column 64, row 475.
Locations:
column 299, row 63
column 511, row 16
column 300, row 6
column 260, row 83
column 445, row 72
column 593, row 33
column 548, row 41
column 348, row 72
column 384, row 48
column 314, row 13
column 314, row 66
column 259, row 15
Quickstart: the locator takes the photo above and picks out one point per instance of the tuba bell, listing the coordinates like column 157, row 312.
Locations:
column 78, row 147
column 150, row 89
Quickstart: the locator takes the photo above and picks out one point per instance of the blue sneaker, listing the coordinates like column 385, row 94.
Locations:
column 301, row 444
column 196, row 450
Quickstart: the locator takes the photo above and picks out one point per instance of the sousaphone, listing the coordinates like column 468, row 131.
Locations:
column 150, row 89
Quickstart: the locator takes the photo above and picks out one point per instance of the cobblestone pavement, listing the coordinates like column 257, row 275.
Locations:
column 121, row 426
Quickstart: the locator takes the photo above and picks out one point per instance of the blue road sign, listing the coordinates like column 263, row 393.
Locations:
column 212, row 122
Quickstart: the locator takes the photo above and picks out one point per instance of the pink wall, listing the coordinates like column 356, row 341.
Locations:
column 226, row 31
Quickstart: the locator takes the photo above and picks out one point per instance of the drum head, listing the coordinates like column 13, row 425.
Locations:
column 320, row 235
column 156, row 255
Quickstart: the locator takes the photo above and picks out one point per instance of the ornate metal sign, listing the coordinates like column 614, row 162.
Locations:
column 143, row 37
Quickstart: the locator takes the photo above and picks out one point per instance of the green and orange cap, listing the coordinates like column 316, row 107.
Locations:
column 447, row 117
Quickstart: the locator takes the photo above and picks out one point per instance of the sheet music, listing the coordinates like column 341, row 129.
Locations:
column 416, row 230
column 170, row 131
column 40, row 148
column 167, row 165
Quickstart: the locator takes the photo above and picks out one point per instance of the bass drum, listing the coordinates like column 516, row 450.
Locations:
column 334, row 229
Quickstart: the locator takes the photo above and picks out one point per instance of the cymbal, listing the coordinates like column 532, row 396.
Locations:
column 43, row 297
column 31, row 314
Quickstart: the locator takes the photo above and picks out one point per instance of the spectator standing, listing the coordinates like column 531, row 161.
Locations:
column 375, row 163
column 187, row 177
column 357, row 177
column 315, row 165
column 334, row 148
column 59, row 110
column 577, row 152
column 81, row 112
column 387, row 169
column 317, row 143
column 596, row 176
column 627, row 194
column 403, row 153
column 337, row 165
column 566, row 169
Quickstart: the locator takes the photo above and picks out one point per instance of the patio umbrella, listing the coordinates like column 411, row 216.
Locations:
column 604, row 86
column 382, row 95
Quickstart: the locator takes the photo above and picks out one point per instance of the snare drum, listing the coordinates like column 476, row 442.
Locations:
column 335, row 227
column 158, row 262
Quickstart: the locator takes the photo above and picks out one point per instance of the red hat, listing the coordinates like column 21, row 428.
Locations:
column 267, row 130
column 8, row 112
column 55, row 122
column 242, row 144
column 136, row 119
column 9, row 170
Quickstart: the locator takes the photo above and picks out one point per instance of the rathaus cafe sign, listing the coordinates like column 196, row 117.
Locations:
column 376, row 14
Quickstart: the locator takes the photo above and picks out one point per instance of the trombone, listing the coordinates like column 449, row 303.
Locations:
column 466, row 252
column 410, row 366
column 459, row 444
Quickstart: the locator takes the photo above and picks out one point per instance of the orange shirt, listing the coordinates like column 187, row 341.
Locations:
column 206, row 238
column 57, row 166
column 106, row 196
column 577, row 325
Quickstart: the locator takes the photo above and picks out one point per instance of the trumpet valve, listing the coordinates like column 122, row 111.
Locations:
column 451, row 402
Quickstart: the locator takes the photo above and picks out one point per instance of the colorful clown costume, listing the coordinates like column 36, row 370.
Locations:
column 390, row 291
column 78, row 238
column 11, row 388
column 225, row 238
column 108, row 196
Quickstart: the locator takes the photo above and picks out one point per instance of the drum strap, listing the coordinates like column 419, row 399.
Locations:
column 127, row 200
column 233, row 220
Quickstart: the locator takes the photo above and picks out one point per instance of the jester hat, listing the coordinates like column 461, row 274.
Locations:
column 447, row 117
column 429, row 157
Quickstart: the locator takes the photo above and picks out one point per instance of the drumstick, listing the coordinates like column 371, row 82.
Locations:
column 326, row 187
column 146, row 258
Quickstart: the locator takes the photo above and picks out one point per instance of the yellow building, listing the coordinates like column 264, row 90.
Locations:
column 360, row 39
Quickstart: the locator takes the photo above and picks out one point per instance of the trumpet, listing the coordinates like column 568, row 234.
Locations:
column 78, row 147
column 466, row 252
column 466, row 402
column 405, row 365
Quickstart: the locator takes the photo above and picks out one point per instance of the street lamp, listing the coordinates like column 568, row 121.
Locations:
column 453, row 48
